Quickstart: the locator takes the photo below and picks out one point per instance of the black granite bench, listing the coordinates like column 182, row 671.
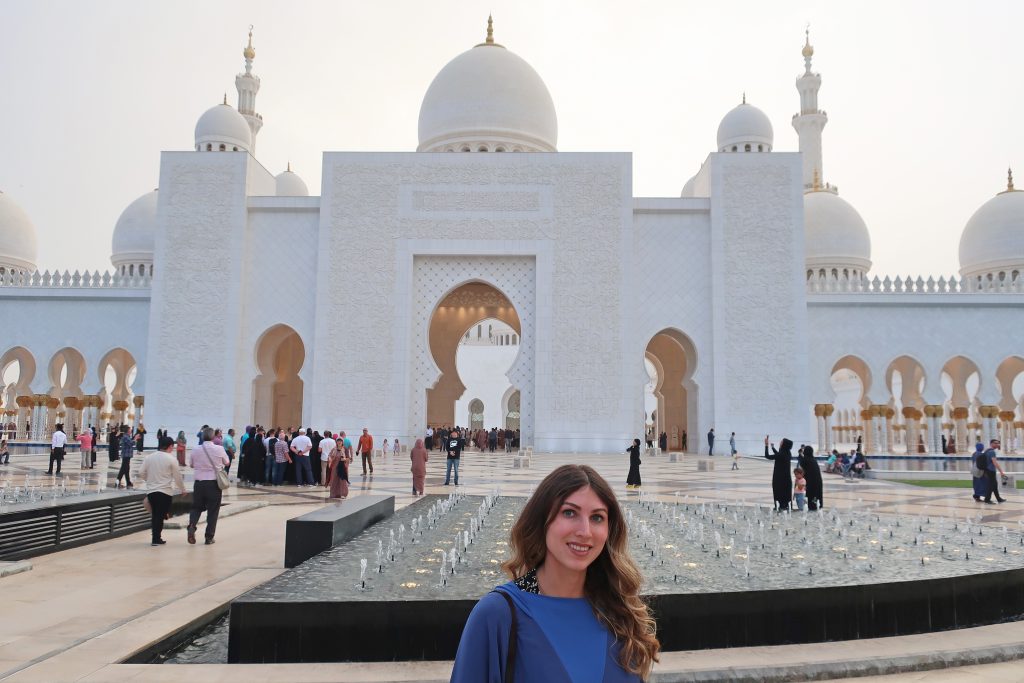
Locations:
column 314, row 532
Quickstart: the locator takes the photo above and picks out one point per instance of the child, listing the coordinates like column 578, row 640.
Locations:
column 735, row 459
column 5, row 454
column 800, row 488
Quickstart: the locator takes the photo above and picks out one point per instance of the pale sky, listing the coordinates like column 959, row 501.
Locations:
column 924, row 98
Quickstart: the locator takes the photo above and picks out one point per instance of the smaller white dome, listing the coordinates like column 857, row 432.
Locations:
column 18, row 245
column 993, row 239
column 688, row 188
column 135, row 233
column 222, row 125
column 289, row 184
column 745, row 125
column 835, row 236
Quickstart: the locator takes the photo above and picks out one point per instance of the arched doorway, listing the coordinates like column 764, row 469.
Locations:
column 116, row 373
column 510, row 408
column 277, row 389
column 67, row 373
column 961, row 380
column 475, row 419
column 17, row 370
column 670, row 361
column 905, row 377
column 850, row 381
column 1010, row 378
column 469, row 309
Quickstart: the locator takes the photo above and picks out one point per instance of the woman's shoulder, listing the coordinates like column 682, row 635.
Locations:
column 492, row 610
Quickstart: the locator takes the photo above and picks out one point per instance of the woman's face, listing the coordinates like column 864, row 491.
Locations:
column 579, row 531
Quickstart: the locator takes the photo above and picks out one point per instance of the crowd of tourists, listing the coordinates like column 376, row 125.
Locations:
column 485, row 440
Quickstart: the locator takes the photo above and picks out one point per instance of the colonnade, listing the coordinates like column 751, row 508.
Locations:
column 41, row 413
column 921, row 430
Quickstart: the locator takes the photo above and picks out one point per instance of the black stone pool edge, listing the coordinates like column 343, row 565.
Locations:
column 311, row 631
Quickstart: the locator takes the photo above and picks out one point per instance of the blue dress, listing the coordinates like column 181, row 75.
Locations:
column 559, row 641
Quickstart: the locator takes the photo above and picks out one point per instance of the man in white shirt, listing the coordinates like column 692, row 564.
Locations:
column 163, row 480
column 327, row 446
column 300, row 447
column 57, row 444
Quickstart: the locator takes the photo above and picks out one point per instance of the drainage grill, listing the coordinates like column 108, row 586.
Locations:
column 47, row 527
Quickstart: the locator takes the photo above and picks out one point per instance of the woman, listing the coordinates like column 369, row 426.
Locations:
column 179, row 448
column 979, row 479
column 782, row 483
column 633, row 478
column 812, row 473
column 140, row 438
column 574, row 599
column 254, row 456
column 419, row 459
column 397, row 448
column 113, row 444
column 338, row 463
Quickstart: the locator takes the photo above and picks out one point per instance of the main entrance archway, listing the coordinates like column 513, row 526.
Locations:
column 672, row 357
column 277, row 390
column 451, row 294
column 461, row 312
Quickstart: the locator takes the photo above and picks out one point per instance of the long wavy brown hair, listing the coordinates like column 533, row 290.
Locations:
column 613, row 580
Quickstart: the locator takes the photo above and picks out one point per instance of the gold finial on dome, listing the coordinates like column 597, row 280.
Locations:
column 489, row 41
column 289, row 167
column 808, row 50
column 744, row 98
column 816, row 183
column 249, row 52
column 225, row 99
column 1009, row 182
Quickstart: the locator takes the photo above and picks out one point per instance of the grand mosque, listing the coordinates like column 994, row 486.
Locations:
column 487, row 220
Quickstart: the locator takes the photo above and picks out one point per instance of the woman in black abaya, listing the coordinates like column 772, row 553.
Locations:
column 782, row 481
column 812, row 473
column 633, row 477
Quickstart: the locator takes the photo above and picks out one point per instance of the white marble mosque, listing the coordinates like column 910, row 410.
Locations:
column 592, row 332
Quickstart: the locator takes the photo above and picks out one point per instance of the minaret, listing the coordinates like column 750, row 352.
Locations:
column 248, row 85
column 811, row 120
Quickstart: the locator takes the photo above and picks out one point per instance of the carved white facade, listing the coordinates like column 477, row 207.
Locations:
column 350, row 282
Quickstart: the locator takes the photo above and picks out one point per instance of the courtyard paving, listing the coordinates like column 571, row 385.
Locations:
column 80, row 612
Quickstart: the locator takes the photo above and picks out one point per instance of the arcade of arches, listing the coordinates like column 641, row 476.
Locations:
column 673, row 358
column 460, row 311
column 31, row 415
column 277, row 389
column 975, row 407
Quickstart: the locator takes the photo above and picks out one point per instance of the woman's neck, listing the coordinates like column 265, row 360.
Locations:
column 556, row 581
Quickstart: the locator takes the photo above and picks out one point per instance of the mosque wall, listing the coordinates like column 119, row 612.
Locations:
column 929, row 328
column 569, row 215
column 758, row 294
column 672, row 289
column 198, row 289
column 279, row 269
column 92, row 322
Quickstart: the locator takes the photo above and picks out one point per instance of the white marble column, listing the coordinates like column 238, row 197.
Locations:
column 829, row 409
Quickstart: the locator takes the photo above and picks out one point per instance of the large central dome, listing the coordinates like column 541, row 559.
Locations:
column 487, row 100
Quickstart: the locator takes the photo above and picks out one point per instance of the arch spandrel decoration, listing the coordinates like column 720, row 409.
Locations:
column 434, row 279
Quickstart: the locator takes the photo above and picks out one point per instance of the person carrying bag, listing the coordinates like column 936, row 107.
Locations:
column 208, row 461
